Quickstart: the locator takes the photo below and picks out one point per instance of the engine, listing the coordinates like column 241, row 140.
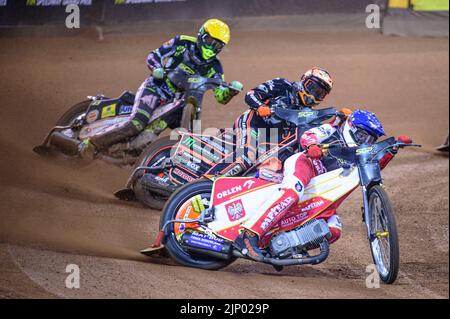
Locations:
column 306, row 237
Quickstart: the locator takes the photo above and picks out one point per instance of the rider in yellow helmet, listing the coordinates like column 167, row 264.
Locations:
column 212, row 37
column 192, row 55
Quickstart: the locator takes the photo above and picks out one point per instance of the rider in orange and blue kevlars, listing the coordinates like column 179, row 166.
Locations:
column 310, row 91
column 196, row 55
column 358, row 128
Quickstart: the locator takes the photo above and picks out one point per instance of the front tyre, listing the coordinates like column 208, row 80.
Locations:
column 177, row 204
column 384, row 246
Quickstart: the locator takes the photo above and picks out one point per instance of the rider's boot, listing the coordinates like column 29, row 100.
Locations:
column 248, row 244
column 89, row 147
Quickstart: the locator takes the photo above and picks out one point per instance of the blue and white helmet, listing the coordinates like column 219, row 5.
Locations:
column 362, row 127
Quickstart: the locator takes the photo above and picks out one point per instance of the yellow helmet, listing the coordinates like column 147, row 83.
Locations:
column 212, row 37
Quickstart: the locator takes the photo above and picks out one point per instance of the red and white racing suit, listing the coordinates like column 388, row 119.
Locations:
column 299, row 169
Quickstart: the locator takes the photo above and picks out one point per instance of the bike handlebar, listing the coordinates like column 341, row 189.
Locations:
column 187, row 81
column 397, row 144
column 351, row 152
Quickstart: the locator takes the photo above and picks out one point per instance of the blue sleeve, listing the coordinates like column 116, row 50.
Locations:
column 156, row 58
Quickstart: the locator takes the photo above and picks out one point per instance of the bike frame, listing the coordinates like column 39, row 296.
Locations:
column 367, row 157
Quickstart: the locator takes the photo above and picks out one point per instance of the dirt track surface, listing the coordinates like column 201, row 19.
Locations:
column 55, row 213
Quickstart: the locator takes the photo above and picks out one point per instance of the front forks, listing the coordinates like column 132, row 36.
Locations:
column 365, row 211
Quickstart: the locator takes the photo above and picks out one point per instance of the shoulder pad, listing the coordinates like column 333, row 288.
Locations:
column 283, row 81
column 278, row 81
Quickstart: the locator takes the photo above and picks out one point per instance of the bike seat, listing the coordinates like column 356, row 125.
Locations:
column 127, row 97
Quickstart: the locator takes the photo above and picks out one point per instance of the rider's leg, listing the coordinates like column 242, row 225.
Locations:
column 145, row 103
column 297, row 174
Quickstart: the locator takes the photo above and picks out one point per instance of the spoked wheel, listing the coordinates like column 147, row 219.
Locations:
column 181, row 205
column 384, row 246
column 153, row 156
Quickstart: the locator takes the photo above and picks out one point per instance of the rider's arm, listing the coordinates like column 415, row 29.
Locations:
column 222, row 94
column 156, row 58
column 386, row 159
column 392, row 152
column 262, row 94
column 317, row 135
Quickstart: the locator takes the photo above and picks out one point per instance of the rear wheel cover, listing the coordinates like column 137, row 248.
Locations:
column 72, row 113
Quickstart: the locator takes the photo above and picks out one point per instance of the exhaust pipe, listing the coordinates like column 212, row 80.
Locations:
column 313, row 260
column 207, row 245
column 203, row 244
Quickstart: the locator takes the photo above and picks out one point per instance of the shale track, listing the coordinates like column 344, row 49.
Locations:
column 55, row 213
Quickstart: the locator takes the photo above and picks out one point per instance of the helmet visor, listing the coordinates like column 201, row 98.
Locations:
column 316, row 89
column 361, row 136
column 211, row 43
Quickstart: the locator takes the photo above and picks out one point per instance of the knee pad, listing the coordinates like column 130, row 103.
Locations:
column 136, row 125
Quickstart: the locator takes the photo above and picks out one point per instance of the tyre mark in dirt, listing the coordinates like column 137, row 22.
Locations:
column 36, row 283
column 418, row 287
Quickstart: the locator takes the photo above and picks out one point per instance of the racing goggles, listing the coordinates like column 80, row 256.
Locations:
column 361, row 136
column 315, row 89
column 211, row 43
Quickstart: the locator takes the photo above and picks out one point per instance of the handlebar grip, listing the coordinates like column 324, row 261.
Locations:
column 329, row 146
column 408, row 145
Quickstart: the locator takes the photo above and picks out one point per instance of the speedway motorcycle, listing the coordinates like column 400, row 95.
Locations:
column 168, row 164
column 100, row 114
column 202, row 219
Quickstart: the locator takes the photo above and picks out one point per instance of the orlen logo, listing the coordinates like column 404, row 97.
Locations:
column 229, row 192
column 312, row 206
column 249, row 184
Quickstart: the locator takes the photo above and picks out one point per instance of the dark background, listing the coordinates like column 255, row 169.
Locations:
column 108, row 13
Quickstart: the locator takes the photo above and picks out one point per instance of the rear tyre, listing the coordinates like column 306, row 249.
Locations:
column 156, row 152
column 385, row 246
column 182, row 195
